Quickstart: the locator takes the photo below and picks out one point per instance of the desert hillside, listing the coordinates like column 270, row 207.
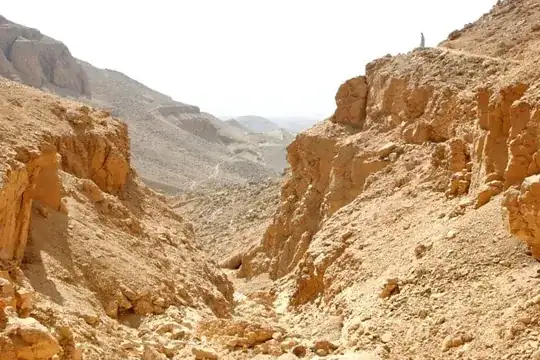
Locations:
column 407, row 226
column 296, row 124
column 257, row 124
column 167, row 136
column 86, row 249
column 398, row 217
column 509, row 31
column 292, row 124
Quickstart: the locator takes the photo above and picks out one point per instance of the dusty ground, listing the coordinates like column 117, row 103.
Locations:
column 228, row 218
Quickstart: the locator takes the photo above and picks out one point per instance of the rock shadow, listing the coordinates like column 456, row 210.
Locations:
column 48, row 254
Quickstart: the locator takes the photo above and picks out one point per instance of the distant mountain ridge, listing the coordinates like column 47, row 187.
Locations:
column 237, row 124
column 265, row 124
column 257, row 124
column 296, row 124
column 168, row 138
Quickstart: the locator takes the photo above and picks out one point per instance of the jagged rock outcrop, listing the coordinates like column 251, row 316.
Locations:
column 351, row 100
column 27, row 339
column 325, row 176
column 521, row 207
column 391, row 220
column 419, row 101
column 387, row 225
column 33, row 174
column 95, row 244
column 21, row 336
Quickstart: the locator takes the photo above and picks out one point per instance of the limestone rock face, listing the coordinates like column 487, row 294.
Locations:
column 34, row 173
column 31, row 340
column 7, row 70
column 22, row 337
column 167, row 110
column 412, row 105
column 27, row 55
column 521, row 207
column 190, row 119
column 391, row 217
column 72, row 211
column 351, row 101
column 388, row 223
column 479, row 142
column 326, row 176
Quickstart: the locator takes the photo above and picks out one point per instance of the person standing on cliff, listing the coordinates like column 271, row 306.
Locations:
column 422, row 40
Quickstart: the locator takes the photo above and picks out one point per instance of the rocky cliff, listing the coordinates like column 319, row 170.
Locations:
column 80, row 233
column 383, row 196
column 29, row 56
column 421, row 102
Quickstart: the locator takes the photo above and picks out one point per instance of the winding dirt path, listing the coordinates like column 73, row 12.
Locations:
column 214, row 174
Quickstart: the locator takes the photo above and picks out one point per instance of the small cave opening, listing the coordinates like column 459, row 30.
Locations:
column 129, row 318
column 237, row 265
column 233, row 263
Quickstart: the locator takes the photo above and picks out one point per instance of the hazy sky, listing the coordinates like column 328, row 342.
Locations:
column 234, row 57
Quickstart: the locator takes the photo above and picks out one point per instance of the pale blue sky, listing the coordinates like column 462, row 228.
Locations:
column 234, row 57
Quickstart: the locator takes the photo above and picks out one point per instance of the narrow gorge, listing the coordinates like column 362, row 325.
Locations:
column 407, row 226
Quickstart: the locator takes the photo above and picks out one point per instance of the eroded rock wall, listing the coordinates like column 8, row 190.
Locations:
column 475, row 121
column 32, row 172
column 94, row 243
column 16, row 198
